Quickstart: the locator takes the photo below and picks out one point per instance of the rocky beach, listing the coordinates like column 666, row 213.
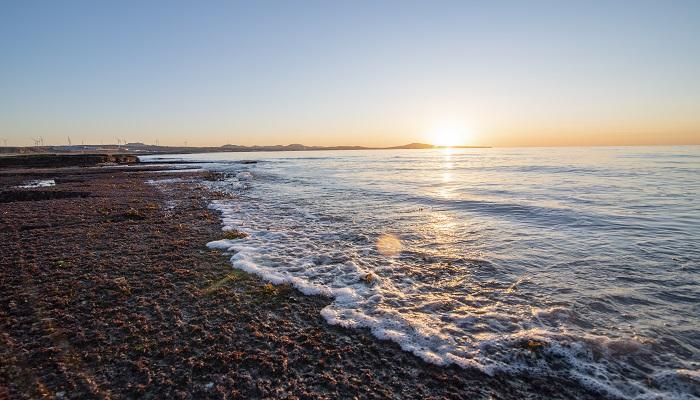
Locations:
column 109, row 291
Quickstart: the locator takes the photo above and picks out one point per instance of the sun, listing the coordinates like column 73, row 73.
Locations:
column 449, row 135
column 447, row 138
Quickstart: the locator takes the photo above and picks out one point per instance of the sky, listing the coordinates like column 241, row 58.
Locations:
column 380, row 73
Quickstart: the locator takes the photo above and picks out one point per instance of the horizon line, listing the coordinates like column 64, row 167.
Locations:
column 417, row 146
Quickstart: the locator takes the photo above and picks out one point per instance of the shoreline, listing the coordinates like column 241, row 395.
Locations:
column 114, row 294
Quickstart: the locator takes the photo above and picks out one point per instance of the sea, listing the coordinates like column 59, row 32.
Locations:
column 581, row 262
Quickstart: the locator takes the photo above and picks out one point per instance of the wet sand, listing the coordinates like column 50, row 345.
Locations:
column 107, row 290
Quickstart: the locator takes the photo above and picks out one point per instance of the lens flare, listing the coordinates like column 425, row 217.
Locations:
column 389, row 245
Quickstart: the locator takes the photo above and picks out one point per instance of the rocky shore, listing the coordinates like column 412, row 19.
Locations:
column 107, row 290
column 65, row 160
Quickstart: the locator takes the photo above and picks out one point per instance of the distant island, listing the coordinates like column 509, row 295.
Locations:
column 141, row 148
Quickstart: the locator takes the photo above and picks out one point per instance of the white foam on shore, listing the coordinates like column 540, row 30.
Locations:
column 38, row 184
column 360, row 304
column 164, row 181
column 244, row 176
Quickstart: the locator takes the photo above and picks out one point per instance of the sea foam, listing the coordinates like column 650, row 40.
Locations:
column 587, row 359
column 512, row 261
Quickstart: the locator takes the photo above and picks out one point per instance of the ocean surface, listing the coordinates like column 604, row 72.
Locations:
column 575, row 262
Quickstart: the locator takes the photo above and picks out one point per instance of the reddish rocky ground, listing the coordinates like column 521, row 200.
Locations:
column 107, row 292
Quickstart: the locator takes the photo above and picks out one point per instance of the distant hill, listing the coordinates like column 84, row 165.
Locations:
column 412, row 146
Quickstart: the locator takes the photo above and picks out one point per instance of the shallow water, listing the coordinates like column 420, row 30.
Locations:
column 577, row 262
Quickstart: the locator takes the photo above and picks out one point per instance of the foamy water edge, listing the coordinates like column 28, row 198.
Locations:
column 418, row 339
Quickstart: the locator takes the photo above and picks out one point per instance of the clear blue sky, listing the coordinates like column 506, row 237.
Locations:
column 372, row 73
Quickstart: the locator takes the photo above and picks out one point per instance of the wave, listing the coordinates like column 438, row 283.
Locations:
column 597, row 362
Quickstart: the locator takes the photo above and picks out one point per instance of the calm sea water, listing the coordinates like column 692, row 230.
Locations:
column 576, row 262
